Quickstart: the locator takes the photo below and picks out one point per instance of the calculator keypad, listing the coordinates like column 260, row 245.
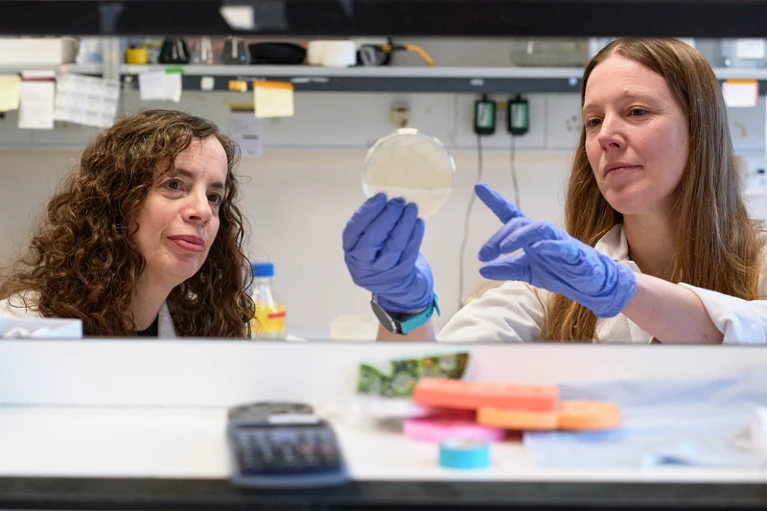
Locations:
column 286, row 450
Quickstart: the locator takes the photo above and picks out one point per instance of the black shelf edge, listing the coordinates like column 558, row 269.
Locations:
column 389, row 84
column 474, row 18
column 210, row 495
column 378, row 84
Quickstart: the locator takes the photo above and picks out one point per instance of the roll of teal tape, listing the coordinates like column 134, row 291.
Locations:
column 464, row 454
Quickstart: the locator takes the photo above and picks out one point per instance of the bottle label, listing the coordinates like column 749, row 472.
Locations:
column 268, row 319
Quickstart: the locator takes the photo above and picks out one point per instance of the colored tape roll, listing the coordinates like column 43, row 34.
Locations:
column 464, row 454
column 473, row 395
column 522, row 420
column 589, row 416
column 440, row 429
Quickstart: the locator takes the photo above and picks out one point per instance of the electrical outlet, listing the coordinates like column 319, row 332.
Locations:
column 755, row 186
column 399, row 115
column 754, row 175
column 747, row 127
column 563, row 121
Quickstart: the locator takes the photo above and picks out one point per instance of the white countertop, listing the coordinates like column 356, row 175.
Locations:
column 189, row 443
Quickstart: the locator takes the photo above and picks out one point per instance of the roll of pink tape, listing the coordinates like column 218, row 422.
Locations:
column 439, row 429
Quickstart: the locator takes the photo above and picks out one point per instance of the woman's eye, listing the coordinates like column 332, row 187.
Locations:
column 590, row 123
column 638, row 111
column 173, row 184
column 215, row 198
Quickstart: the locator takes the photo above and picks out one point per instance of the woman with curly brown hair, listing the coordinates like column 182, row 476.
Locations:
column 144, row 238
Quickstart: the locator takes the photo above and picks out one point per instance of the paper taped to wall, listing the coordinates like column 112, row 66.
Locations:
column 37, row 100
column 160, row 86
column 247, row 131
column 86, row 100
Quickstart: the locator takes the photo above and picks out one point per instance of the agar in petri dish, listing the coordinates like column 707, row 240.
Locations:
column 410, row 164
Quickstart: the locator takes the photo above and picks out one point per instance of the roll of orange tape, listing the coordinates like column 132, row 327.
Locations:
column 518, row 419
column 589, row 416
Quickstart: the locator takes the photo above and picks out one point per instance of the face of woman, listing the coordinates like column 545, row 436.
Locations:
column 178, row 221
column 637, row 137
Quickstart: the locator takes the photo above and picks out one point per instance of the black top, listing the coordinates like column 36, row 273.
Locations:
column 152, row 330
column 456, row 18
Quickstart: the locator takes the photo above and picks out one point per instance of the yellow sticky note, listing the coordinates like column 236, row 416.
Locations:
column 273, row 99
column 10, row 92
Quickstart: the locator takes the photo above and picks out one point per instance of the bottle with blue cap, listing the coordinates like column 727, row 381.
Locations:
column 269, row 318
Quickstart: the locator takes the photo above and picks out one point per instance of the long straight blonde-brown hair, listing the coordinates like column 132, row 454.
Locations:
column 716, row 245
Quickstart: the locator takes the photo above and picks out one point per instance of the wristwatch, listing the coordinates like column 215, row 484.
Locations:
column 400, row 323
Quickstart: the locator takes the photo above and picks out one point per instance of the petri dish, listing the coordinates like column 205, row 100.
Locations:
column 410, row 164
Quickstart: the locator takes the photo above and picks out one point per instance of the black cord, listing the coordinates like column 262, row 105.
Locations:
column 514, row 174
column 467, row 222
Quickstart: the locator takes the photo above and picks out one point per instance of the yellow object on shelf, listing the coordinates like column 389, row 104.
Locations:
column 238, row 85
column 136, row 56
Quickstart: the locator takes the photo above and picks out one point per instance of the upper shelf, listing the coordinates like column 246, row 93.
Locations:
column 461, row 18
column 474, row 80
column 83, row 69
column 380, row 79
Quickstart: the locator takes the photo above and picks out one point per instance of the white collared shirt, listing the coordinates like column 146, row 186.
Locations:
column 514, row 311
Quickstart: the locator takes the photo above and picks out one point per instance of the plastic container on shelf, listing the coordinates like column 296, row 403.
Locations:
column 547, row 52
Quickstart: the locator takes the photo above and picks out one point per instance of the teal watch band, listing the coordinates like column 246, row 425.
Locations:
column 421, row 318
column 394, row 324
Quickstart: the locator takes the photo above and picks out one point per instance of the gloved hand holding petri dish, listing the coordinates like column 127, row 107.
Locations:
column 410, row 164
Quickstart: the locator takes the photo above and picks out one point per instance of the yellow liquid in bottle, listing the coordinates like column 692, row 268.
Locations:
column 268, row 322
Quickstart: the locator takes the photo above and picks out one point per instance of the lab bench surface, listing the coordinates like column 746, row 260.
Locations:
column 90, row 434
column 210, row 495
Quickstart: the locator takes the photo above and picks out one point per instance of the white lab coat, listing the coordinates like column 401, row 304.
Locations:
column 513, row 311
column 14, row 307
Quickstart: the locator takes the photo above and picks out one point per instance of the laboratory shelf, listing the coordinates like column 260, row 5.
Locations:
column 85, row 69
column 462, row 18
column 378, row 79
column 474, row 80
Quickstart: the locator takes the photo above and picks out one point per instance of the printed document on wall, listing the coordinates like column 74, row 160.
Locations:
column 37, row 99
column 86, row 100
column 247, row 131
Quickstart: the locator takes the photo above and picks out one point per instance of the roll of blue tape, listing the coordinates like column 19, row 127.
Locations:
column 464, row 454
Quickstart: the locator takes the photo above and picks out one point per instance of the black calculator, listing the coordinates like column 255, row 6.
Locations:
column 283, row 445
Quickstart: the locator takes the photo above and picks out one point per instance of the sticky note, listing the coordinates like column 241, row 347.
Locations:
column 741, row 93
column 10, row 92
column 160, row 86
column 273, row 99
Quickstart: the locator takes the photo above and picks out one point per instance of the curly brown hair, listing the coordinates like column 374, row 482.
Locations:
column 81, row 262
